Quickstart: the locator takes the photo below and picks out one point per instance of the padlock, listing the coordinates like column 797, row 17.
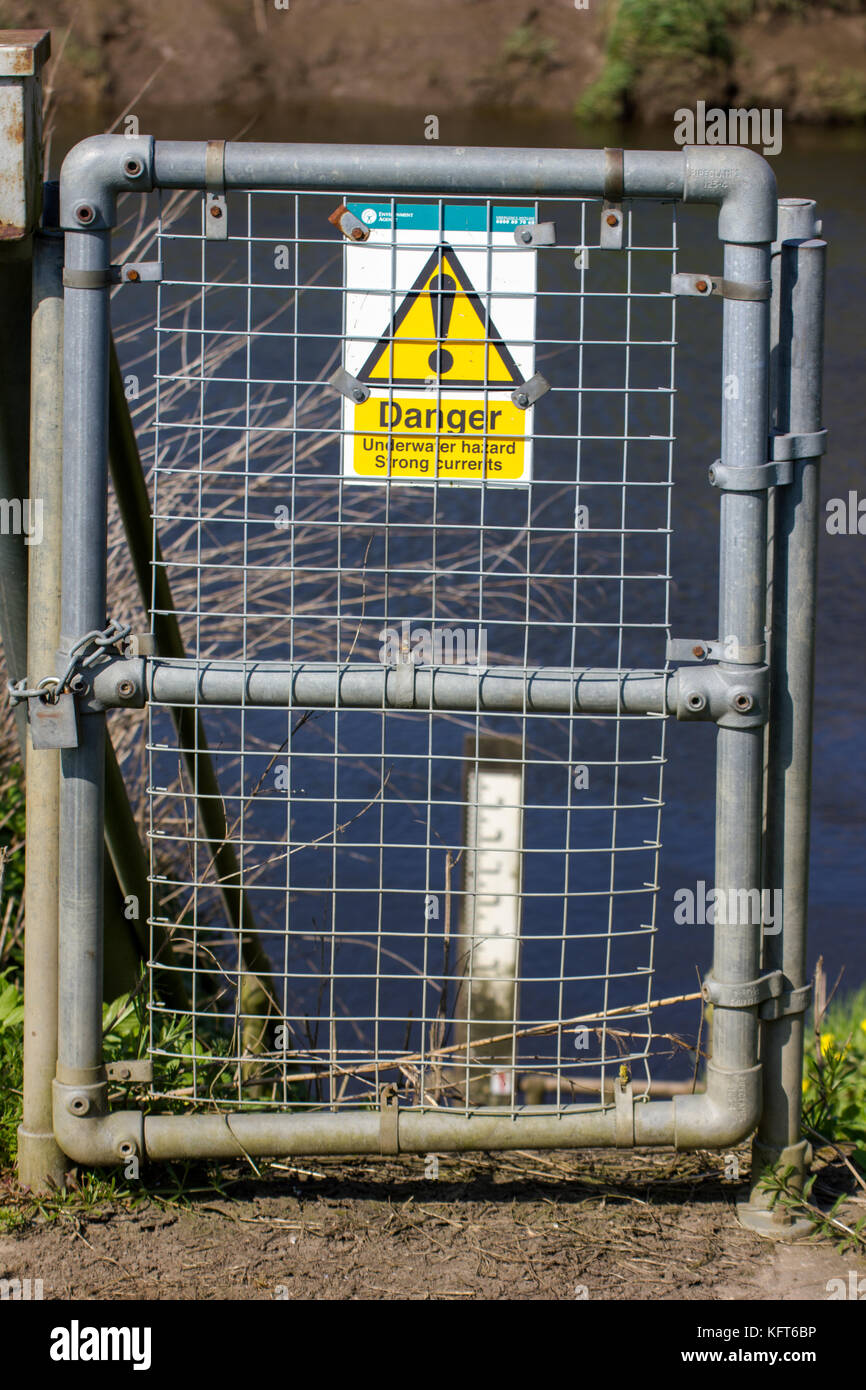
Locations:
column 53, row 723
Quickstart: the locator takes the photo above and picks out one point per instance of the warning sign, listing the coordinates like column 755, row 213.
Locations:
column 439, row 334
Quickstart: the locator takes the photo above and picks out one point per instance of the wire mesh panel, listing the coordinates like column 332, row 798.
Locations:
column 454, row 902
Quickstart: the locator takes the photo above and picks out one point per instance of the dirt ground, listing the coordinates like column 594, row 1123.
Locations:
column 511, row 1226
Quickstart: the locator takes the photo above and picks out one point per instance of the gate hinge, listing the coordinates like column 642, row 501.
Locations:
column 714, row 649
column 216, row 224
column 612, row 219
column 753, row 478
column 530, row 391
column 138, row 1070
column 791, row 1001
column 350, row 225
column 745, row 995
column 797, row 446
column 536, row 234
column 685, row 282
column 389, row 1118
column 349, row 386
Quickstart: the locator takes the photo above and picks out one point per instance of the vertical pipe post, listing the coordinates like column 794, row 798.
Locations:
column 742, row 596
column 41, row 1162
column 83, row 609
column 798, row 408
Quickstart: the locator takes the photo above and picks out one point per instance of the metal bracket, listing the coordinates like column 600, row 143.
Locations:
column 349, row 386
column 797, row 446
column 733, row 699
column 792, row 1001
column 536, row 234
column 130, row 273
column 746, row 995
column 715, row 649
column 750, row 479
column 526, row 395
column 389, row 1119
column 135, row 272
column 612, row 219
column 350, row 225
column 623, row 1095
column 138, row 1070
column 216, row 224
column 705, row 285
column 139, row 644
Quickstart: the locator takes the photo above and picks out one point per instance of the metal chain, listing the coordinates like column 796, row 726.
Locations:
column 99, row 640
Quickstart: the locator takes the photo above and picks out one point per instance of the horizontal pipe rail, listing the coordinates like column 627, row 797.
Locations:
column 504, row 690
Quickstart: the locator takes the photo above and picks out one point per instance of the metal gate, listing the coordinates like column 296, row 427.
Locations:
column 417, row 882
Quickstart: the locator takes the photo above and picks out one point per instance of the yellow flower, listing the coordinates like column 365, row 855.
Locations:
column 805, row 1085
column 863, row 1024
column 827, row 1041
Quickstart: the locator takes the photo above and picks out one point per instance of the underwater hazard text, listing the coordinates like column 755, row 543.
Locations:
column 439, row 331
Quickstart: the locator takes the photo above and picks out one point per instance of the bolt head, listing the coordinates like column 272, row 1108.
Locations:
column 521, row 399
column 359, row 395
column 699, row 651
column 216, row 210
column 84, row 214
column 133, row 275
column 125, row 689
column 132, row 168
column 78, row 685
column 526, row 235
column 701, row 286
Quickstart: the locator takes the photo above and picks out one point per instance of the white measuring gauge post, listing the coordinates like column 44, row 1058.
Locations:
column 489, row 951
column 439, row 326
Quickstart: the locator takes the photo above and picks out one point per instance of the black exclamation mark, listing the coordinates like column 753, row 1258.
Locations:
column 442, row 289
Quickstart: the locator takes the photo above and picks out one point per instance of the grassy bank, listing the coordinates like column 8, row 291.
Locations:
column 662, row 53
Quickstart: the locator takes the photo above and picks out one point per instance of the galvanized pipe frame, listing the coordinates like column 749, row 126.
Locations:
column 742, row 186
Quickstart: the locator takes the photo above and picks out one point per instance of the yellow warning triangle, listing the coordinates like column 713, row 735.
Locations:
column 441, row 332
